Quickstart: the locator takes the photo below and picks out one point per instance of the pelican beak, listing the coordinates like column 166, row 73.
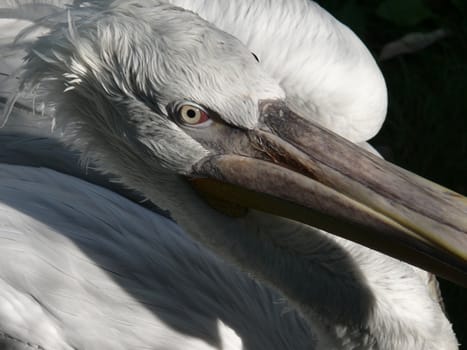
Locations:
column 294, row 168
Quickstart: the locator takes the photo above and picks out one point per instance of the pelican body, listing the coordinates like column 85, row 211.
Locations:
column 162, row 189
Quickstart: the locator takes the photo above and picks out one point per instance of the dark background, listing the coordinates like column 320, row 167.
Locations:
column 426, row 127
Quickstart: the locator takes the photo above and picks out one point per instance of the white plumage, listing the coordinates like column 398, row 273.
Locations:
column 315, row 58
column 83, row 268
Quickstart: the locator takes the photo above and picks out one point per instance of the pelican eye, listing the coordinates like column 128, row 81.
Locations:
column 190, row 114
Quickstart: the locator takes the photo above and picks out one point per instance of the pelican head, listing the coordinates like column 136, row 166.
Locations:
column 167, row 102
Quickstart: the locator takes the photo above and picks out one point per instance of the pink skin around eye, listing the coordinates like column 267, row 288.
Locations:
column 204, row 117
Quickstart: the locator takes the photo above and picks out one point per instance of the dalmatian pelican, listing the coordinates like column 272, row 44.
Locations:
column 245, row 165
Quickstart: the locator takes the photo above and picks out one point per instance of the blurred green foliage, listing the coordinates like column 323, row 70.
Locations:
column 404, row 12
column 426, row 127
column 385, row 19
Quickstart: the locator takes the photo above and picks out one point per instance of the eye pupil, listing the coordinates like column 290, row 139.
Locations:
column 191, row 113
